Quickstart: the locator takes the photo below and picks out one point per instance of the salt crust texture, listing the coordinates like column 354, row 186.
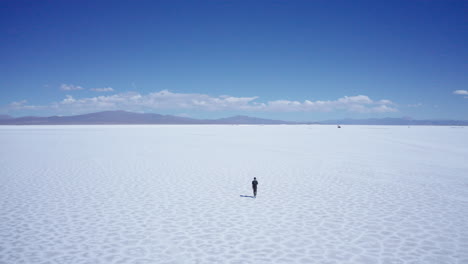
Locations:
column 172, row 194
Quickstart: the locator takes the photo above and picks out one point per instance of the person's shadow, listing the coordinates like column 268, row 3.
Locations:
column 247, row 196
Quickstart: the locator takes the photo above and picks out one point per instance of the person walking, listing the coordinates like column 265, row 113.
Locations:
column 254, row 186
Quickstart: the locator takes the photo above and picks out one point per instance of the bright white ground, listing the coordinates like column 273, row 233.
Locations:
column 172, row 194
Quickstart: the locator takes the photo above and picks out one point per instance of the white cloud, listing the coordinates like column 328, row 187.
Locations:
column 461, row 92
column 70, row 87
column 23, row 105
column 163, row 100
column 18, row 103
column 360, row 99
column 415, row 105
column 359, row 103
column 382, row 109
column 384, row 102
column 68, row 100
column 107, row 89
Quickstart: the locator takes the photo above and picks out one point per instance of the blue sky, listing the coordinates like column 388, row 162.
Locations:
column 291, row 60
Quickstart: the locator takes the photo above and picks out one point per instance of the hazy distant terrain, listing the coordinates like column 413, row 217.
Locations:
column 172, row 194
column 124, row 117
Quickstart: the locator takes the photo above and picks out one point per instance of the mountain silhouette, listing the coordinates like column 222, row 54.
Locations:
column 124, row 117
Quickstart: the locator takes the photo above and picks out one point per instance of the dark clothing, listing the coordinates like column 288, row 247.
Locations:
column 254, row 184
column 254, row 187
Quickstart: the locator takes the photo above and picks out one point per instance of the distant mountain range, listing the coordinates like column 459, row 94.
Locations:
column 124, row 117
column 397, row 121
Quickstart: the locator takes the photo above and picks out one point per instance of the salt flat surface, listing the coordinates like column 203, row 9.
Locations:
column 172, row 194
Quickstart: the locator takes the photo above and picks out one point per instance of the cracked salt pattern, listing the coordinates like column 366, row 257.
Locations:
column 171, row 194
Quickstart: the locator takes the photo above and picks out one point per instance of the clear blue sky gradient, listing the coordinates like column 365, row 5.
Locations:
column 413, row 53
